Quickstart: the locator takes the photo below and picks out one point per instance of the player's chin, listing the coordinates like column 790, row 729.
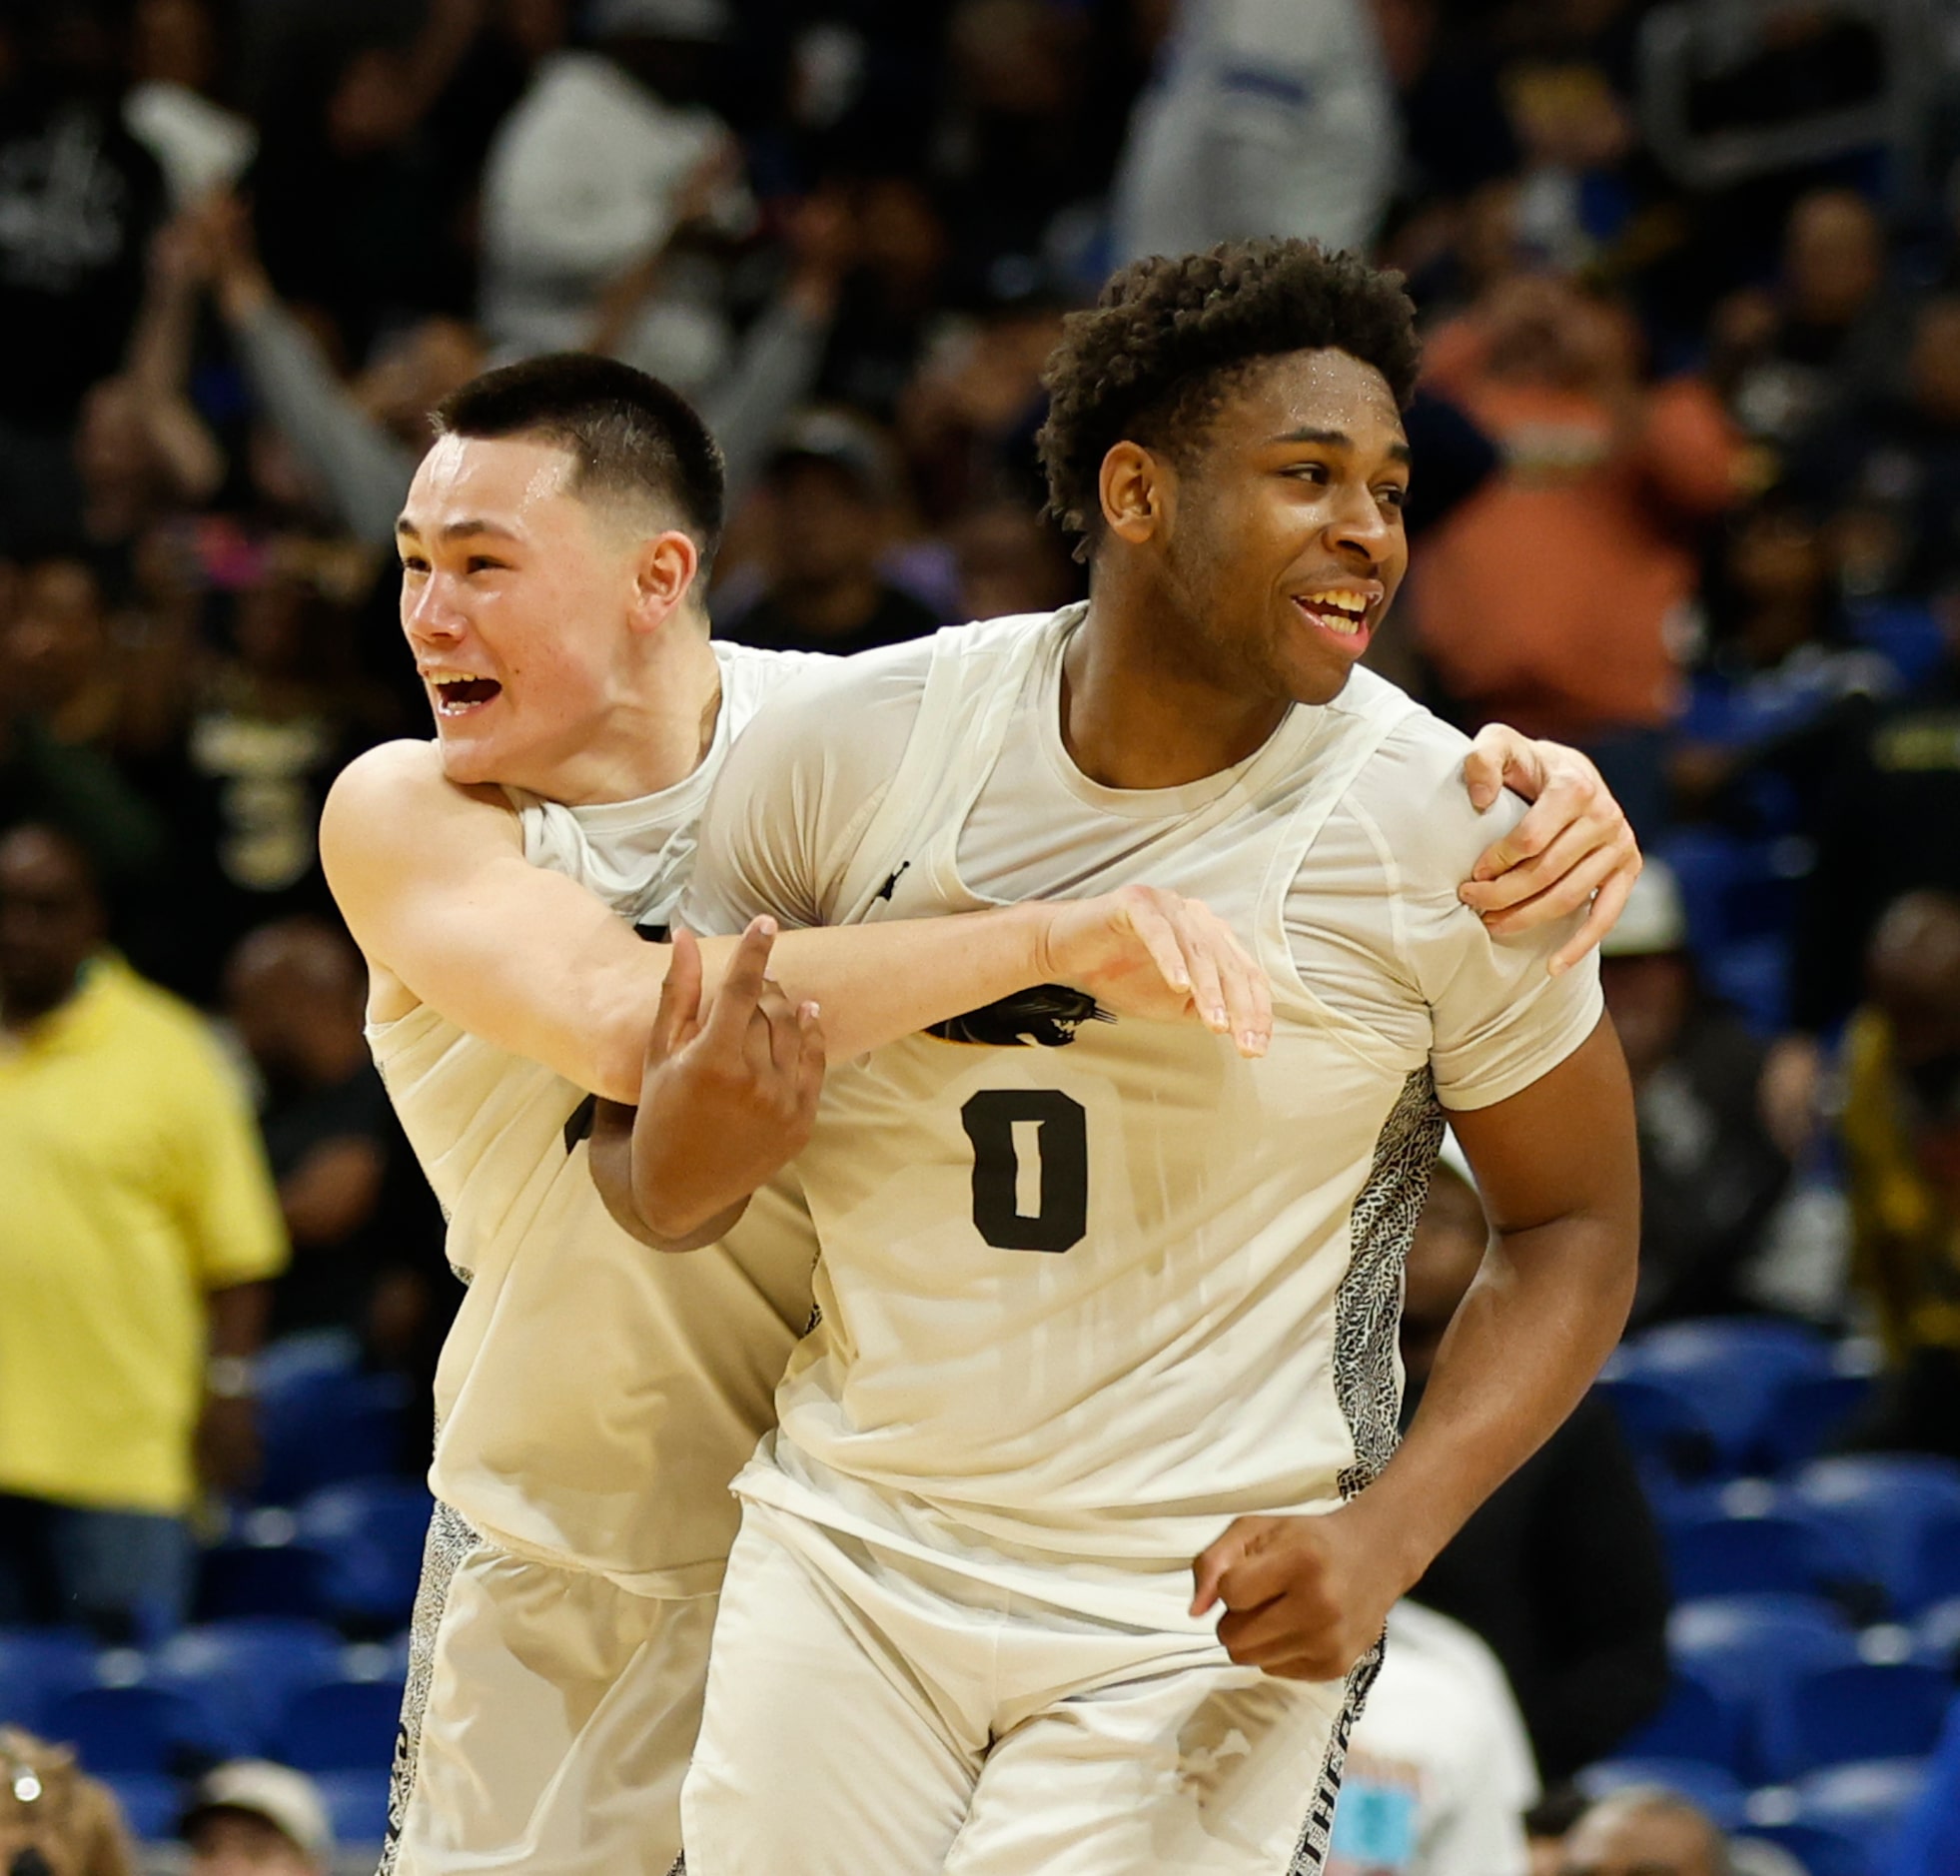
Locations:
column 468, row 761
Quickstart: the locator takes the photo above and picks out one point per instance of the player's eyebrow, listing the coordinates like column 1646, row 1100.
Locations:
column 1339, row 440
column 455, row 531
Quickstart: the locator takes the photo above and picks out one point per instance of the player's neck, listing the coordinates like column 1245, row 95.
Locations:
column 652, row 736
column 1138, row 711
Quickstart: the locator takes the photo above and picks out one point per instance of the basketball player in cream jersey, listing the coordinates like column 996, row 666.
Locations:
column 595, row 1399
column 1072, row 1549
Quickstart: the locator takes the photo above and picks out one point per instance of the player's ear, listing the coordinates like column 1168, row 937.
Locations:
column 662, row 577
column 1136, row 488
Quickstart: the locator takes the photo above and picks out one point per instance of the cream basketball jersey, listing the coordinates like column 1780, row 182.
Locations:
column 594, row 1398
column 1089, row 1290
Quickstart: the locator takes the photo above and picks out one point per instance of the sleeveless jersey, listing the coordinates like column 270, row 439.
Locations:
column 594, row 1396
column 1083, row 1304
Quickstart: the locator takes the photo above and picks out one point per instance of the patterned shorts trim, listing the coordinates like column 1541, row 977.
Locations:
column 451, row 1538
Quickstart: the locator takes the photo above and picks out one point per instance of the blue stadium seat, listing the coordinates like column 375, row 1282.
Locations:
column 151, row 1802
column 1694, row 1722
column 1752, row 1649
column 344, row 1726
column 1665, row 1431
column 240, row 1577
column 1901, row 1511
column 141, row 1729
column 1868, row 1797
column 1714, row 1553
column 1805, row 1413
column 1936, row 1635
column 248, row 1668
column 1713, row 1787
column 1835, row 1716
column 37, row 1666
column 358, row 1804
column 372, row 1531
column 1728, row 1371
column 329, row 1427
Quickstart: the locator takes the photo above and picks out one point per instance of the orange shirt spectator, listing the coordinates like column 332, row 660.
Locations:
column 1546, row 599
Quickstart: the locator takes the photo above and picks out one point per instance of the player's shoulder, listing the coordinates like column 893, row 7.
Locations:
column 392, row 804
column 1412, row 790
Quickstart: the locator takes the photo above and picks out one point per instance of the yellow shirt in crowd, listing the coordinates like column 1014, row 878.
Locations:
column 132, row 1180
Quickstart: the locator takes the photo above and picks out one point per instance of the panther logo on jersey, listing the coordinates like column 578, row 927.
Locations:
column 1045, row 1015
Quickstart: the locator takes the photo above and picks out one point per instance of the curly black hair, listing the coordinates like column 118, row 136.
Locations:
column 1154, row 358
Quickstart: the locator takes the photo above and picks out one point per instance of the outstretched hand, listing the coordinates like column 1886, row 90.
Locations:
column 1575, row 847
column 1141, row 951
column 728, row 1094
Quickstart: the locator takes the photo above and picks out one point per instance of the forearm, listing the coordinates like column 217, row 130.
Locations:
column 632, row 1206
column 877, row 983
column 236, row 1319
column 1529, row 1339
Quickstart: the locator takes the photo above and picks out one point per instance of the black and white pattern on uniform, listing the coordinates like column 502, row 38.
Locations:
column 451, row 1540
column 1368, row 1307
column 1309, row 1854
column 1045, row 1015
column 1366, row 1313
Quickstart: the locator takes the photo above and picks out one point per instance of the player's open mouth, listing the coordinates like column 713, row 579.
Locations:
column 1340, row 611
column 460, row 692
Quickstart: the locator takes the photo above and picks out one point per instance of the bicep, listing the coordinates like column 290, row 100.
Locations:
column 435, row 887
column 1562, row 1146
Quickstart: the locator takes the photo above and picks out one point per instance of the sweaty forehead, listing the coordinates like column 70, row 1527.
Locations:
column 507, row 480
column 1322, row 390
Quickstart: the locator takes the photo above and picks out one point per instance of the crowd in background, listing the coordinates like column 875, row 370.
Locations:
column 1686, row 494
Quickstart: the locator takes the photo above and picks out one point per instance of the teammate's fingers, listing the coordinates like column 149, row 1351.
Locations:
column 1497, row 754
column 1160, row 939
column 680, row 995
column 741, row 985
column 1248, row 998
column 1569, row 893
column 1277, row 1630
column 1560, row 806
column 811, row 1061
column 1529, row 877
column 1608, row 904
column 1198, row 937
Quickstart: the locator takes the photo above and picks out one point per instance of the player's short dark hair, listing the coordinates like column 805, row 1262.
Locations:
column 629, row 435
column 1155, row 357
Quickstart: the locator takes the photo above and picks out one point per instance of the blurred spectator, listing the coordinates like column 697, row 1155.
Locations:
column 64, row 701
column 1891, row 825
column 891, row 295
column 141, row 1229
column 1264, row 118
column 604, row 159
column 1710, row 1176
column 295, row 993
column 1010, row 560
column 967, row 421
column 1548, row 598
column 1902, row 1149
column 831, row 507
column 1777, row 684
column 173, row 106
column 1561, row 1570
column 250, row 1817
column 360, row 207
column 1545, row 1825
column 79, row 197
column 1644, row 1831
column 1783, row 356
column 55, row 1820
column 1890, row 464
column 1439, row 1772
column 361, row 439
